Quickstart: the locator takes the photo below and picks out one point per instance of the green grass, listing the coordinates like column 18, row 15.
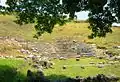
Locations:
column 78, row 31
column 8, row 72
column 72, row 70
column 11, row 70
column 11, row 62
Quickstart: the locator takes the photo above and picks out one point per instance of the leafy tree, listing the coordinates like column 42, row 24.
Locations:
column 47, row 13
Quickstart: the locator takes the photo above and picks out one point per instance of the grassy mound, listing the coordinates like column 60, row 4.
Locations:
column 78, row 31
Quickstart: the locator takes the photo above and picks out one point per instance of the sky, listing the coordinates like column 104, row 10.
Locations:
column 2, row 2
column 82, row 15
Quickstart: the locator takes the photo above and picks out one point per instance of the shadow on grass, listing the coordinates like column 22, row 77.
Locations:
column 97, row 78
column 58, row 78
column 9, row 74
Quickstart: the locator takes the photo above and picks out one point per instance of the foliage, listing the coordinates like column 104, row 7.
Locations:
column 47, row 13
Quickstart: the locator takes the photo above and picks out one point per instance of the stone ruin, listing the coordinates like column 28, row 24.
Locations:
column 39, row 62
column 36, row 77
column 65, row 47
column 68, row 47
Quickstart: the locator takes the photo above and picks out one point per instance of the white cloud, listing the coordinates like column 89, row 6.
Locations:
column 2, row 2
column 83, row 15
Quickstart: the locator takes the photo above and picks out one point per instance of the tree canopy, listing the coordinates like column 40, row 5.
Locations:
column 47, row 13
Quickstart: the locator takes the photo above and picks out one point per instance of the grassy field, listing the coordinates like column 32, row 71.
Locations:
column 77, row 31
column 74, row 68
column 11, row 70
column 10, row 28
column 8, row 72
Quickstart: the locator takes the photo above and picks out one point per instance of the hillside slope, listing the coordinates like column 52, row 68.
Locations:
column 78, row 31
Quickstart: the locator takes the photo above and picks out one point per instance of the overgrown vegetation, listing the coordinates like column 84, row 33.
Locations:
column 76, row 31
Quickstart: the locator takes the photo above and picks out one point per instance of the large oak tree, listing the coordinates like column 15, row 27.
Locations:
column 47, row 13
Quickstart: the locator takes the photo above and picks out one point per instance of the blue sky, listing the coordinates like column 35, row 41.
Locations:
column 82, row 15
